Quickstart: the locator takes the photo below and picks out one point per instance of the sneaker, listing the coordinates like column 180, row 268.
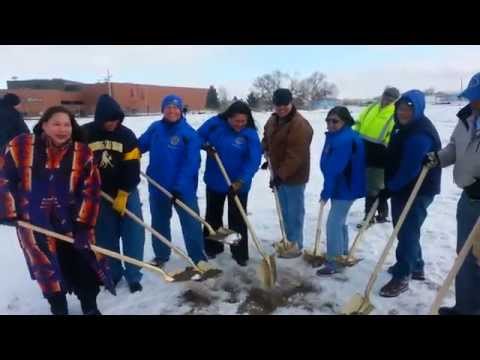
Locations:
column 381, row 219
column 242, row 262
column 372, row 221
column 157, row 262
column 327, row 269
column 135, row 286
column 394, row 287
column 290, row 253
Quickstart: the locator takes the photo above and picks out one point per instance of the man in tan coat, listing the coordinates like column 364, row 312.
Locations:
column 286, row 142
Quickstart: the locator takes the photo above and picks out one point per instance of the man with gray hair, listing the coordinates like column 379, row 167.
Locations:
column 375, row 125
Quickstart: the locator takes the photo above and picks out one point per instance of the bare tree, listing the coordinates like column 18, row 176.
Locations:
column 264, row 86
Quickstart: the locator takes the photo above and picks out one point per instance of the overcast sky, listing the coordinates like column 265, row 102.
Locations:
column 359, row 71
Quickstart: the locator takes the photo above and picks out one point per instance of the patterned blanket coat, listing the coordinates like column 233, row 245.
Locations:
column 54, row 189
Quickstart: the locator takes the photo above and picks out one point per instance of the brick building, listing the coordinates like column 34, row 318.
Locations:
column 37, row 95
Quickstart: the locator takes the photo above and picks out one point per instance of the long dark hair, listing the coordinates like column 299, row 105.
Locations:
column 343, row 113
column 239, row 107
column 77, row 132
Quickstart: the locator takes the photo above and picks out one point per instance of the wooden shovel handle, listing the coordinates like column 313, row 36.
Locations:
column 97, row 249
column 154, row 232
column 474, row 235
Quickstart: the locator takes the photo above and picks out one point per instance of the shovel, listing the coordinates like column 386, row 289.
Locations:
column 167, row 277
column 195, row 272
column 267, row 271
column 350, row 260
column 474, row 236
column 222, row 234
column 283, row 244
column 360, row 304
column 314, row 257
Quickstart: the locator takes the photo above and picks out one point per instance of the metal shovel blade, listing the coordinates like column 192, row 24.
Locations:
column 190, row 274
column 267, row 272
column 315, row 260
column 226, row 236
column 358, row 305
column 349, row 261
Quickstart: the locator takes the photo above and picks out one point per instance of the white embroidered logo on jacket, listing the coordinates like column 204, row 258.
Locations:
column 106, row 160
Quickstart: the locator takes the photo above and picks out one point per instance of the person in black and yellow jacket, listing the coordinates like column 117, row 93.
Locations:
column 117, row 155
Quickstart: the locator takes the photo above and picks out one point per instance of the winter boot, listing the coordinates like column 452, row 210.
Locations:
column 89, row 304
column 135, row 286
column 394, row 287
column 418, row 275
column 157, row 262
column 382, row 216
column 58, row 304
column 444, row 310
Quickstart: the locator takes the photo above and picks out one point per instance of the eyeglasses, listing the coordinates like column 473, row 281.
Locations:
column 333, row 121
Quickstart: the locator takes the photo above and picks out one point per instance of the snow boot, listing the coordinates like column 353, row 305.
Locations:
column 444, row 310
column 394, row 287
column 89, row 304
column 58, row 304
column 418, row 275
column 135, row 286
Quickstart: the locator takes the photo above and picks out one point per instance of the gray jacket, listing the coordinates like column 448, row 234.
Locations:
column 463, row 150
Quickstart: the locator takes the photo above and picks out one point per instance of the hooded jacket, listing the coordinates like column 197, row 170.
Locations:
column 117, row 154
column 240, row 152
column 407, row 148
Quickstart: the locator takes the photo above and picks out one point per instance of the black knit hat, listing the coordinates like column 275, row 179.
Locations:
column 282, row 97
column 11, row 99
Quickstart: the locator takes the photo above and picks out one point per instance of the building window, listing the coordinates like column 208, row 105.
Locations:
column 132, row 93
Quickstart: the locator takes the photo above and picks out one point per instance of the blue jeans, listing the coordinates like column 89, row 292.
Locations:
column 467, row 282
column 409, row 250
column 292, row 201
column 161, row 210
column 111, row 227
column 337, row 232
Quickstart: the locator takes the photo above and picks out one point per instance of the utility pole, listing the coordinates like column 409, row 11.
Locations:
column 109, row 76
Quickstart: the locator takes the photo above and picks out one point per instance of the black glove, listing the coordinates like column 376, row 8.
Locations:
column 175, row 196
column 264, row 165
column 235, row 187
column 9, row 222
column 211, row 151
column 473, row 191
column 384, row 195
column 431, row 160
column 275, row 182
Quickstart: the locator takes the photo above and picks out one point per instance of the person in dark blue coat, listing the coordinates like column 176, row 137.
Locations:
column 174, row 148
column 233, row 135
column 414, row 135
column 11, row 121
column 117, row 155
column 343, row 168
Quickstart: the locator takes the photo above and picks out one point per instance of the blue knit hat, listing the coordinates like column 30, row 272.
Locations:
column 172, row 100
column 472, row 92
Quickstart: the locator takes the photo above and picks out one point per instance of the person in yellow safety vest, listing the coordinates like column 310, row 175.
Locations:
column 374, row 126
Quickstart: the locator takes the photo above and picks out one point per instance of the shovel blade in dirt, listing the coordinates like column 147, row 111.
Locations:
column 190, row 274
column 358, row 305
column 226, row 236
column 315, row 260
column 267, row 272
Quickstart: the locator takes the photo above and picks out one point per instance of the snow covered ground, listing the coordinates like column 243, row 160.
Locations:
column 227, row 295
